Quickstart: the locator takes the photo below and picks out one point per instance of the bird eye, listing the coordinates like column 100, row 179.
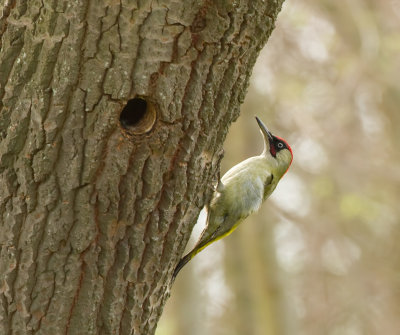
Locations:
column 280, row 145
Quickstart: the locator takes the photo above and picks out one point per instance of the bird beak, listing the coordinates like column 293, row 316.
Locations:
column 266, row 133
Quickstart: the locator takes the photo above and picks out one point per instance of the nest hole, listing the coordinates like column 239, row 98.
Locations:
column 138, row 116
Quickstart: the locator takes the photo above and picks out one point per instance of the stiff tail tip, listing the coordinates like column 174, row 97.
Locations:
column 180, row 265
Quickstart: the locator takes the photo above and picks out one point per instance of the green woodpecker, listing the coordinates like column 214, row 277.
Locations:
column 242, row 190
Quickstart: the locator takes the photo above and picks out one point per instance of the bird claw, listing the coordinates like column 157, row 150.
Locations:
column 220, row 187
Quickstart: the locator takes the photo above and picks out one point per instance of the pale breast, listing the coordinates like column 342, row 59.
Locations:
column 252, row 191
column 245, row 195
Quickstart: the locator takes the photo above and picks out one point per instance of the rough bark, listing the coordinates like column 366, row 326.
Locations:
column 94, row 213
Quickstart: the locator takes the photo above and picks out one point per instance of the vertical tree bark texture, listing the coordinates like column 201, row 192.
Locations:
column 95, row 215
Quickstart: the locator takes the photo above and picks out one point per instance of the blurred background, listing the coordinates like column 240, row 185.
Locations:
column 322, row 257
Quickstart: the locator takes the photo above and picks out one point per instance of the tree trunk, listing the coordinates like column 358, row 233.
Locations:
column 112, row 119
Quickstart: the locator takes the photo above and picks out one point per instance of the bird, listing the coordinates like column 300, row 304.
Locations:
column 242, row 190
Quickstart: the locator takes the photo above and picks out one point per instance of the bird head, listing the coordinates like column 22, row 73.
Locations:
column 276, row 150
